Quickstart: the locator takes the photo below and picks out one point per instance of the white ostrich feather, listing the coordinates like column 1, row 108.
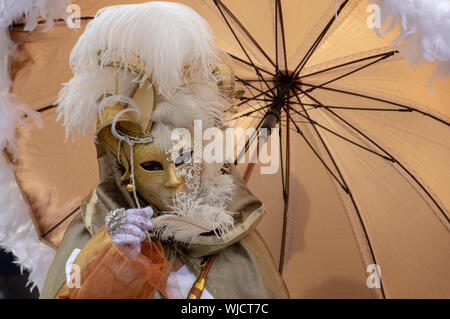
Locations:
column 32, row 10
column 424, row 27
column 17, row 232
column 78, row 99
column 193, row 101
column 189, row 217
column 171, row 39
column 217, row 188
column 192, row 214
column 176, row 47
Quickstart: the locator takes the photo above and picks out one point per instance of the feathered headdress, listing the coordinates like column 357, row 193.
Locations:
column 170, row 47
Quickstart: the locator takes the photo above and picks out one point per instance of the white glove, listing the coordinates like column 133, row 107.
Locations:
column 134, row 222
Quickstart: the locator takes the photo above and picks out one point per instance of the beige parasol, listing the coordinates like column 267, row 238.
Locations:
column 365, row 145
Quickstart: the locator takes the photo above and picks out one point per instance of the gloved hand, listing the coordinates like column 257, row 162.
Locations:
column 127, row 227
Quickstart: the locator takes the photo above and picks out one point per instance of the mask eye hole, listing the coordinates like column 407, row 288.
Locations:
column 152, row 166
column 183, row 158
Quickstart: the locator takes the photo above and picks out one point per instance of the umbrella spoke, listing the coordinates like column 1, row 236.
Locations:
column 351, row 108
column 393, row 159
column 314, row 124
column 60, row 222
column 250, row 64
column 349, row 63
column 256, row 80
column 253, row 98
column 249, row 113
column 407, row 108
column 283, row 35
column 316, row 43
column 249, row 141
column 219, row 4
column 387, row 55
column 299, row 131
column 347, row 190
column 45, row 108
column 279, row 29
column 277, row 67
column 258, row 99
column 352, row 127
column 321, row 140
column 248, row 84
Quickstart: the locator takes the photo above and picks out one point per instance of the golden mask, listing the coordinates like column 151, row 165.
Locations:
column 148, row 171
column 155, row 178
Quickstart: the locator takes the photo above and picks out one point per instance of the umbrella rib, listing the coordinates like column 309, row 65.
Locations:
column 316, row 43
column 394, row 160
column 60, row 222
column 252, row 98
column 257, row 80
column 283, row 35
column 314, row 123
column 249, row 113
column 247, row 144
column 321, row 140
column 299, row 131
column 258, row 73
column 390, row 158
column 250, row 64
column 45, row 108
column 349, row 63
column 407, row 108
column 259, row 99
column 248, row 83
column 241, row 26
column 348, row 191
column 384, row 57
column 351, row 108
column 277, row 68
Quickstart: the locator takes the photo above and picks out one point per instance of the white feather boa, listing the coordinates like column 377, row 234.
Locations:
column 424, row 27
column 17, row 232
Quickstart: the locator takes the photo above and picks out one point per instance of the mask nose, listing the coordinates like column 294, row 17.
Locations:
column 172, row 180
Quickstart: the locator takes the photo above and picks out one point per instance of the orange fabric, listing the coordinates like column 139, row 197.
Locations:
column 109, row 272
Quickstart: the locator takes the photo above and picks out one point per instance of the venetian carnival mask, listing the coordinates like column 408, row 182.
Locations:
column 165, row 176
column 148, row 168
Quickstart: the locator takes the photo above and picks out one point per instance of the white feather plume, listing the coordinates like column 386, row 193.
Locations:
column 78, row 99
column 190, row 217
column 31, row 11
column 173, row 42
column 192, row 214
column 424, row 27
column 17, row 231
